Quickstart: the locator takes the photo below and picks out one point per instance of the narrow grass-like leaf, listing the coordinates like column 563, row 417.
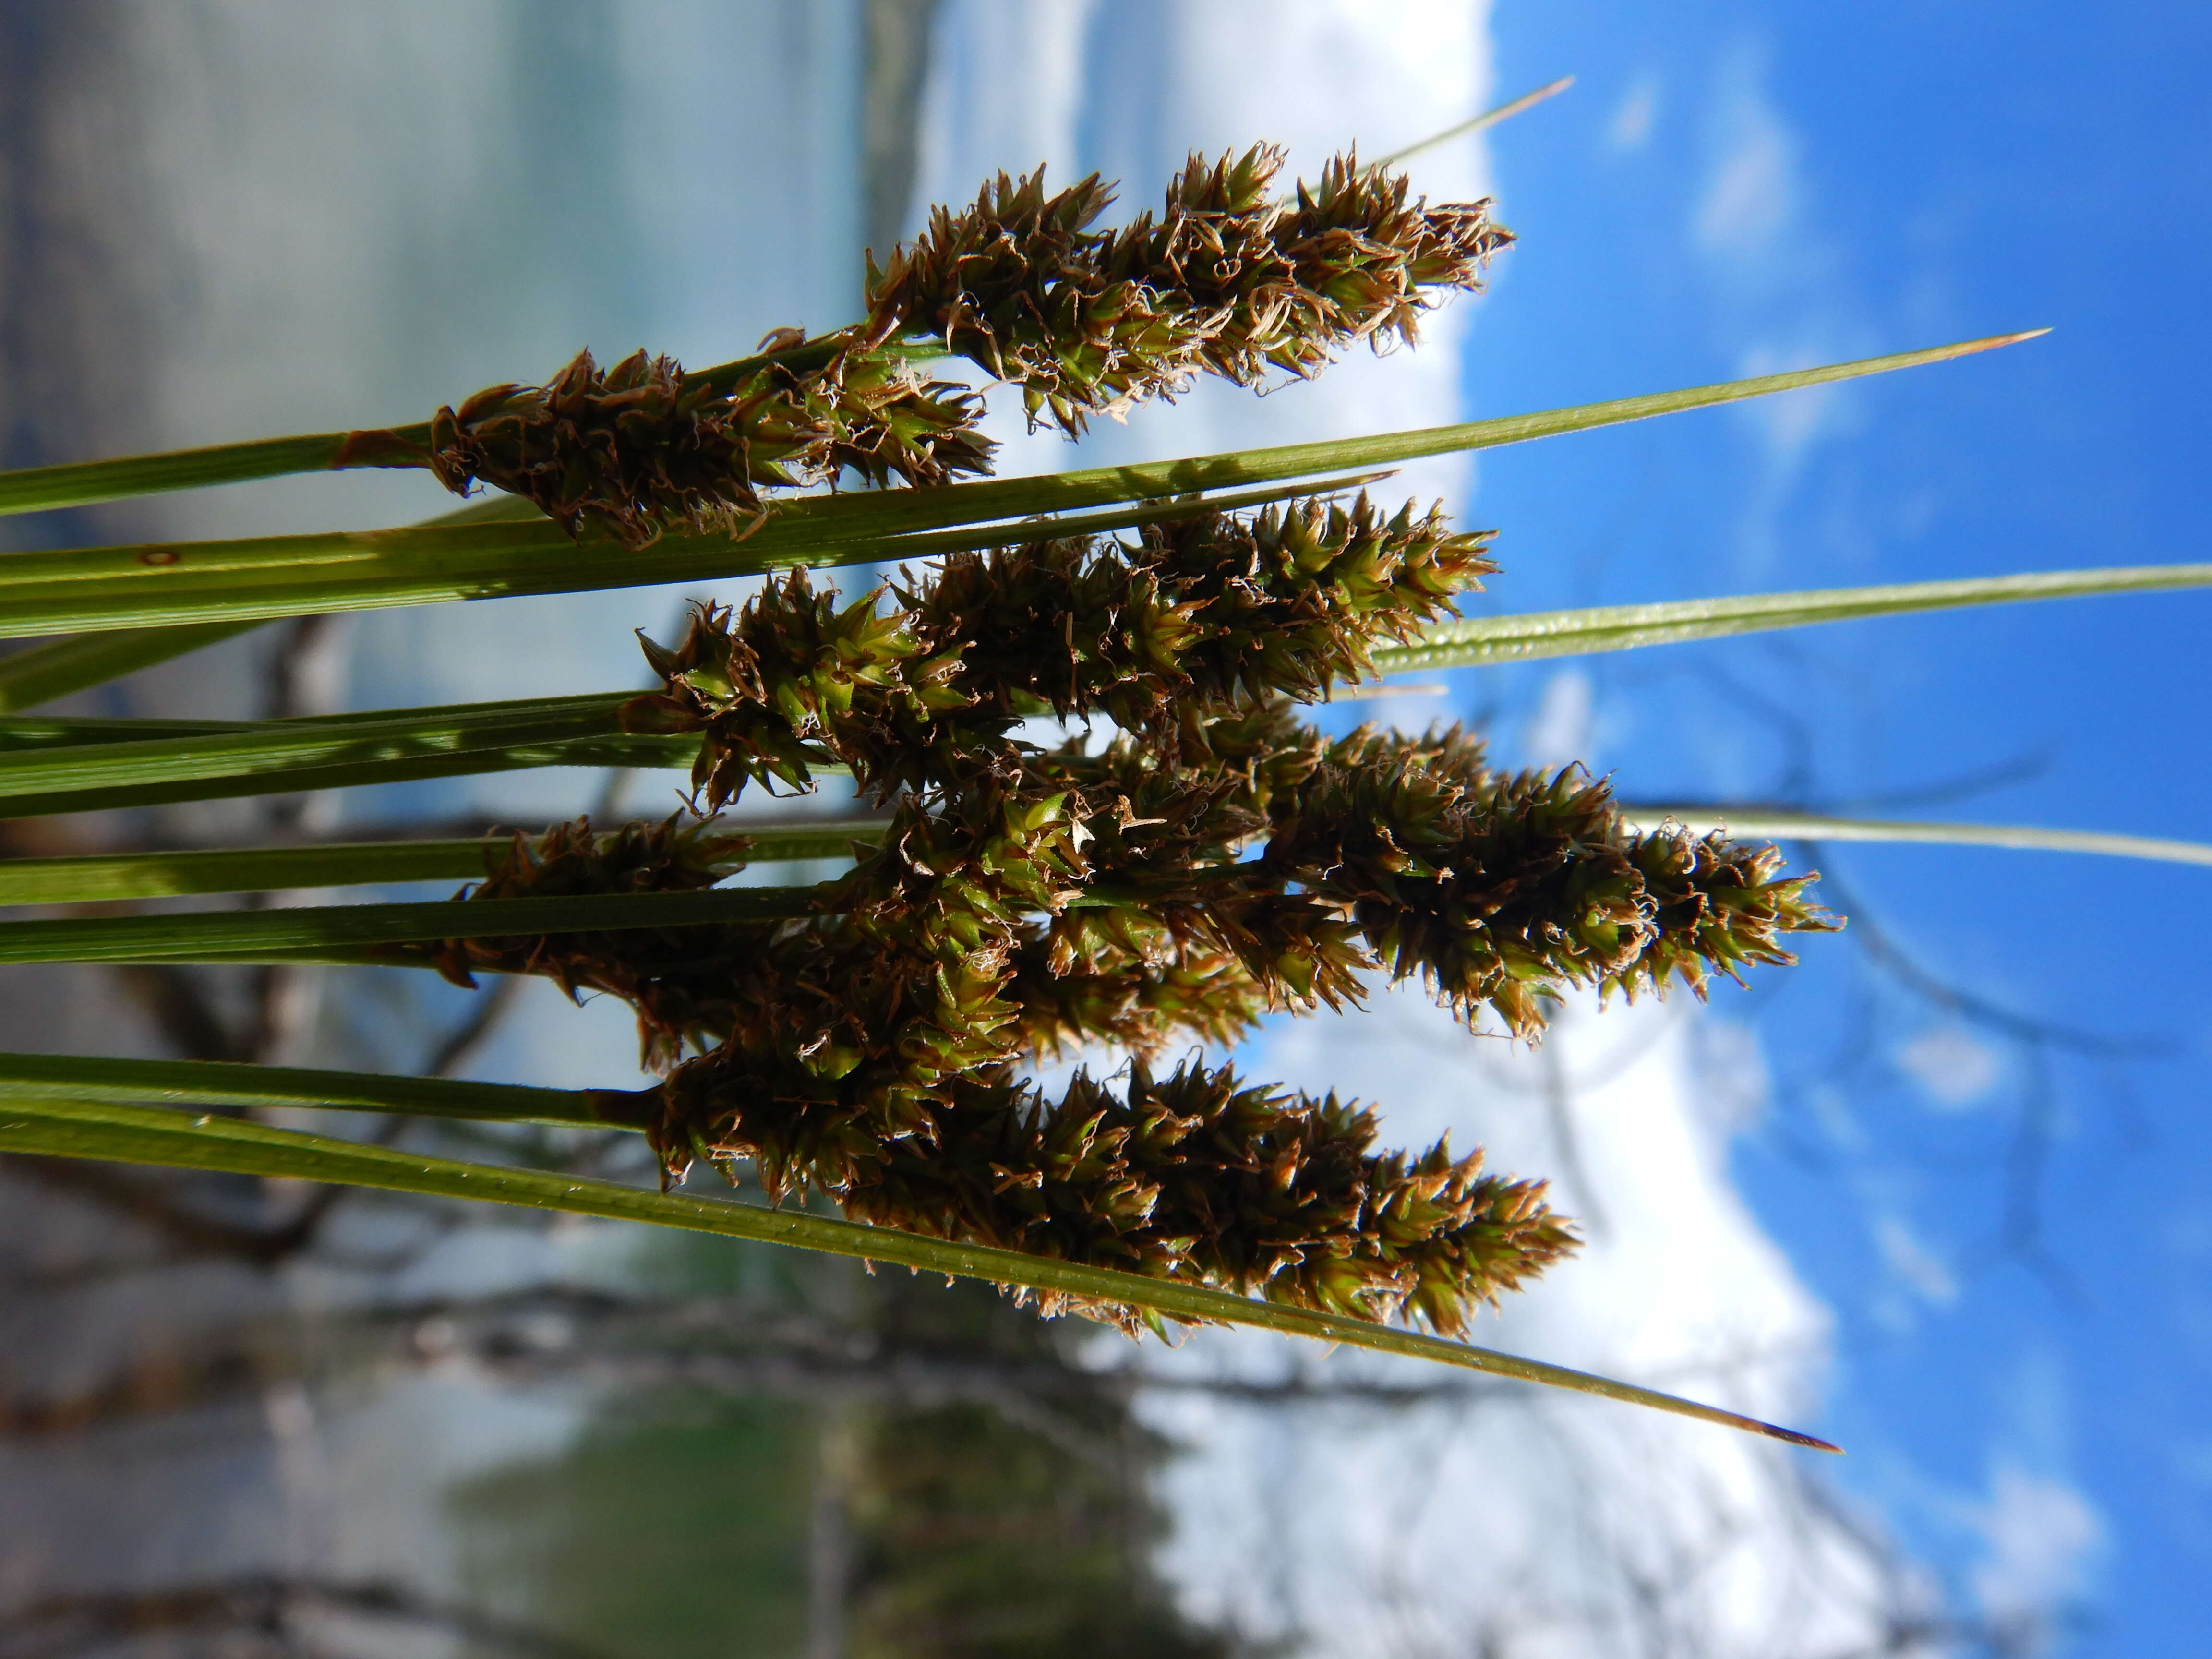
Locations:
column 294, row 934
column 269, row 577
column 831, row 838
column 118, row 587
column 1623, row 627
column 226, row 1083
column 133, row 1134
column 106, row 878
column 1770, row 824
column 269, row 749
column 642, row 753
column 1482, row 123
column 85, row 483
column 43, row 672
column 24, row 731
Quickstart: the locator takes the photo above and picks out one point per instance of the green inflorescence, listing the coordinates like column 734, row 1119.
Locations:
column 1213, row 861
column 1226, row 279
column 1216, row 861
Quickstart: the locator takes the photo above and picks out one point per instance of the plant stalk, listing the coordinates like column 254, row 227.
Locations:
column 110, row 877
column 137, row 1134
column 118, row 587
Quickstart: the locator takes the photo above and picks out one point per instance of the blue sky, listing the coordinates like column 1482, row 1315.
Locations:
column 2016, row 1239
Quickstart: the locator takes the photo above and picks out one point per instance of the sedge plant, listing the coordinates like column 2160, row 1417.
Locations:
column 1183, row 857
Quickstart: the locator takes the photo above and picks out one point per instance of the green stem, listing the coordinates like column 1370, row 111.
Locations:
column 43, row 672
column 137, row 1134
column 831, row 838
column 265, row 752
column 296, row 934
column 226, row 1082
column 641, row 753
column 85, row 483
column 1776, row 824
column 1483, row 639
column 111, row 877
column 99, row 588
column 118, row 587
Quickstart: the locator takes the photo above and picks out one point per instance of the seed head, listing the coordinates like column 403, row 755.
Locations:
column 636, row 449
column 1227, row 279
column 1189, row 621
column 1196, row 1176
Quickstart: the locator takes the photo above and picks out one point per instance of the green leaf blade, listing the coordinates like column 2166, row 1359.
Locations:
column 180, row 1083
column 211, row 582
column 1531, row 636
column 296, row 933
column 85, row 484
column 1767, row 823
column 58, row 1128
column 43, row 672
column 114, row 876
column 265, row 752
column 109, row 877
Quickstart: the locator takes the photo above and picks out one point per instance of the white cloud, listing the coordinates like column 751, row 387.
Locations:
column 1731, row 1079
column 1752, row 190
column 1780, row 298
column 1560, row 730
column 1916, row 1262
column 1954, row 1068
column 1635, row 115
column 1544, row 1523
column 1789, row 423
column 2043, row 1540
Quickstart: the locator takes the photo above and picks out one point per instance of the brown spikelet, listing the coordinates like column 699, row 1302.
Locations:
column 1504, row 889
column 639, row 449
column 1194, row 1177
column 1206, row 861
column 573, row 859
column 1200, row 618
column 1227, row 279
